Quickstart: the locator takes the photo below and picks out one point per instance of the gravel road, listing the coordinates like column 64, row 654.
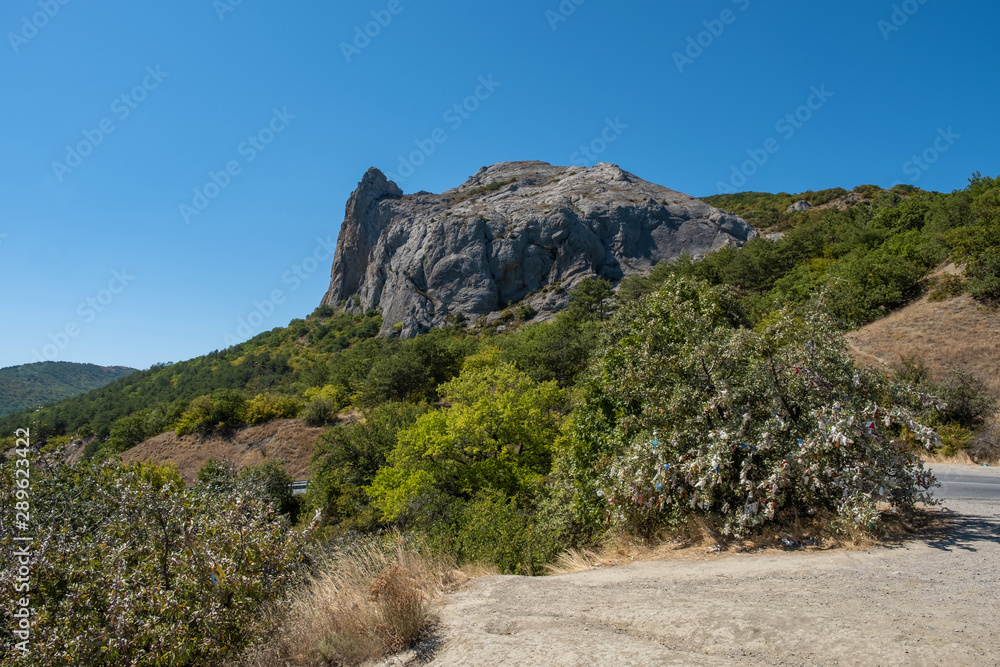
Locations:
column 934, row 600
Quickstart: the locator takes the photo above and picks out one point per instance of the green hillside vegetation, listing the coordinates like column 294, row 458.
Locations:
column 31, row 386
column 769, row 212
column 717, row 392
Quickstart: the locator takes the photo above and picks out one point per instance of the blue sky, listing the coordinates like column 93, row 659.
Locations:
column 115, row 113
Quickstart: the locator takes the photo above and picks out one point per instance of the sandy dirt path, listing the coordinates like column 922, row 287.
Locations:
column 935, row 600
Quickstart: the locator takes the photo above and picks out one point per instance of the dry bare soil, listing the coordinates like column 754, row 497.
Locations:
column 956, row 334
column 288, row 439
column 933, row 600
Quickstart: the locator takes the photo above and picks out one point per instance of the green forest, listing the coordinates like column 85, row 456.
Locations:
column 31, row 386
column 719, row 391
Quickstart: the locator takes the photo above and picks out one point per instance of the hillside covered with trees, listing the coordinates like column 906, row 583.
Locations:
column 718, row 391
column 31, row 386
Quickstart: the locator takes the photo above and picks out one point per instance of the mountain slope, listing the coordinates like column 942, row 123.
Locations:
column 507, row 234
column 31, row 386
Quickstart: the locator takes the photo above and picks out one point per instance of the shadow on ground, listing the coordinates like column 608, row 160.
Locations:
column 952, row 531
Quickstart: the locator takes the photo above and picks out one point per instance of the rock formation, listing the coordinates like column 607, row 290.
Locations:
column 506, row 234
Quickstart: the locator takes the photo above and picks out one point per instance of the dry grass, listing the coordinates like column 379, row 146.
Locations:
column 371, row 599
column 956, row 334
column 698, row 540
column 289, row 439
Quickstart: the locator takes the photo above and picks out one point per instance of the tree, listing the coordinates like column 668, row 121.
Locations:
column 692, row 413
column 500, row 432
column 546, row 351
column 346, row 460
column 978, row 244
column 591, row 300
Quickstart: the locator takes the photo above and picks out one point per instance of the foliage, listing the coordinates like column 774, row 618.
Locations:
column 416, row 369
column 520, row 535
column 158, row 475
column 956, row 406
column 978, row 244
column 346, row 460
column 525, row 312
column 767, row 211
column 30, row 386
column 591, row 300
column 320, row 411
column 499, row 433
column 132, row 429
column 223, row 411
column 306, row 353
column 132, row 573
column 265, row 407
column 558, row 350
column 694, row 414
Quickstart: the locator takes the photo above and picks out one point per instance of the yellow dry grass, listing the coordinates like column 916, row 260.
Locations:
column 698, row 540
column 957, row 334
column 291, row 440
column 369, row 600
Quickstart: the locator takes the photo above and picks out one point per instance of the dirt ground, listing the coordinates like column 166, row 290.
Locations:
column 933, row 600
column 288, row 439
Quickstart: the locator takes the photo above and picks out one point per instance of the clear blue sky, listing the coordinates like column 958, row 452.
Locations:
column 200, row 78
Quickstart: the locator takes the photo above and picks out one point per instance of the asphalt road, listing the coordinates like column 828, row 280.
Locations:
column 960, row 482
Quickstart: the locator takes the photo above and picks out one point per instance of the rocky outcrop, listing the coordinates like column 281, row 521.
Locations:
column 799, row 206
column 505, row 235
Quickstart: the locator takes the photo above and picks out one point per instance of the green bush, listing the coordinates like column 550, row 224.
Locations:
column 137, row 570
column 558, row 350
column 415, row 369
column 266, row 407
column 320, row 411
column 692, row 414
column 345, row 462
column 525, row 312
column 500, row 432
column 223, row 411
column 517, row 537
column 132, row 429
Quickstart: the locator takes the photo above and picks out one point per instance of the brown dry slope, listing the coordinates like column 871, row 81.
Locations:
column 932, row 601
column 288, row 439
column 953, row 334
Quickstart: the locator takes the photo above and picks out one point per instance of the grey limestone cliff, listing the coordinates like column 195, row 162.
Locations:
column 507, row 233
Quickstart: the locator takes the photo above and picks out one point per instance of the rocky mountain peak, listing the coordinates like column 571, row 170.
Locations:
column 513, row 232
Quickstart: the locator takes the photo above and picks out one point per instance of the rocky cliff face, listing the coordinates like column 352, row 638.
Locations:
column 506, row 233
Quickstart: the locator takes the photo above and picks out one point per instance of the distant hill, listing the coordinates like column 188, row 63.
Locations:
column 33, row 385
